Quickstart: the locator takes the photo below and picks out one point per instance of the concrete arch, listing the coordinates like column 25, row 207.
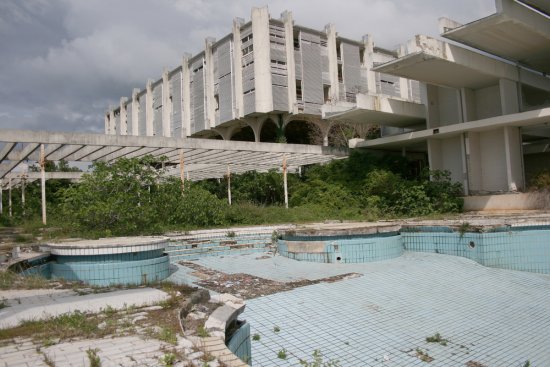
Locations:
column 245, row 133
column 300, row 131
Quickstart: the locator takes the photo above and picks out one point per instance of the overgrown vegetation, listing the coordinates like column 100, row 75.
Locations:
column 318, row 361
column 134, row 196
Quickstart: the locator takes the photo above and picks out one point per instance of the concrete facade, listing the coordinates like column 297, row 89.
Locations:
column 267, row 71
column 487, row 113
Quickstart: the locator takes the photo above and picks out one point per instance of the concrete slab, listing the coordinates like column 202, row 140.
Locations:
column 44, row 305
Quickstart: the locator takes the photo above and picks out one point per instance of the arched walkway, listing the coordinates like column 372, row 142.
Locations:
column 303, row 132
column 244, row 134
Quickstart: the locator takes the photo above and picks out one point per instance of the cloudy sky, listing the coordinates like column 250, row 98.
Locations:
column 63, row 62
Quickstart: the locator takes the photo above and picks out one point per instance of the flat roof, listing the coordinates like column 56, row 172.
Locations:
column 203, row 158
column 516, row 33
column 529, row 118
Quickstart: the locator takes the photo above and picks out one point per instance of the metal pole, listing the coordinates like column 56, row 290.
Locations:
column 9, row 198
column 1, row 204
column 182, row 171
column 43, row 181
column 23, row 195
column 285, row 182
column 228, row 185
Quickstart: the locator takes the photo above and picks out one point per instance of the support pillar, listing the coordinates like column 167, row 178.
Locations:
column 186, row 96
column 149, row 109
column 285, row 186
column 238, row 111
column 256, row 126
column 369, row 64
column 43, row 181
column 290, row 61
column 123, row 116
column 135, row 113
column 330, row 30
column 1, row 199
column 228, row 185
column 262, row 60
column 210, row 107
column 166, row 105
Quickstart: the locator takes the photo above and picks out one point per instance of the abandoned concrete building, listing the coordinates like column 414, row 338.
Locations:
column 268, row 73
column 477, row 105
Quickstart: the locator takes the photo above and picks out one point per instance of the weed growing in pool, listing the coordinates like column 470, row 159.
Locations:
column 318, row 361
column 94, row 359
column 437, row 339
column 282, row 354
column 276, row 329
column 202, row 332
column 168, row 359
column 256, row 337
column 423, row 356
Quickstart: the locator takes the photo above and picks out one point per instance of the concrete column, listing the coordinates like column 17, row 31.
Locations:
column 43, row 182
column 256, row 124
column 324, row 126
column 369, row 64
column 468, row 104
column 290, row 61
column 149, row 109
column 237, row 69
column 107, row 124
column 403, row 83
column 330, row 30
column 262, row 60
column 135, row 113
column 123, row 116
column 112, row 122
column 186, row 95
column 514, row 158
column 166, row 105
column 1, row 199
column 432, row 106
column 509, row 96
column 465, row 183
column 210, row 106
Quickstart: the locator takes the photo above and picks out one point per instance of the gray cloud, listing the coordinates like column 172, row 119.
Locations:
column 63, row 62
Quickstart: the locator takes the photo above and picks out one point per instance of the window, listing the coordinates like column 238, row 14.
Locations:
column 326, row 92
column 362, row 56
column 340, row 74
column 217, row 101
column 296, row 43
column 247, row 38
column 299, row 90
column 248, row 50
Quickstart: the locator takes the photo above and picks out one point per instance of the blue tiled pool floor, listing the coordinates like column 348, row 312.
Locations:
column 491, row 316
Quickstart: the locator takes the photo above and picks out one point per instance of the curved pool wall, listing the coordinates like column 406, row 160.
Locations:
column 524, row 248
column 105, row 262
column 515, row 248
column 342, row 248
column 112, row 270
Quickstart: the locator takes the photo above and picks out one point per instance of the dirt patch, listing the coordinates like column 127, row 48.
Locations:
column 248, row 286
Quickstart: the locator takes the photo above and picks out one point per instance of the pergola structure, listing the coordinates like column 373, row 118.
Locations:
column 191, row 158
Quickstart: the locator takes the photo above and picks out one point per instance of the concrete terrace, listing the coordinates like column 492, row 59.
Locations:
column 490, row 316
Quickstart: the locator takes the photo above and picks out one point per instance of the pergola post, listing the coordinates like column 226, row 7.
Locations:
column 43, row 181
column 182, row 171
column 9, row 197
column 228, row 185
column 1, row 199
column 285, row 181
column 23, row 194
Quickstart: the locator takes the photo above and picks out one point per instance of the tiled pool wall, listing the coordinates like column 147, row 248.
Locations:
column 514, row 248
column 239, row 343
column 217, row 245
column 105, row 270
column 344, row 249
